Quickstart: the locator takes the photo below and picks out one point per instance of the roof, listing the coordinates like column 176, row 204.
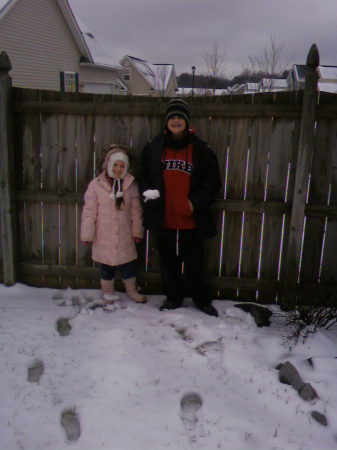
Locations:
column 327, row 72
column 300, row 71
column 5, row 6
column 279, row 83
column 89, row 47
column 100, row 55
column 324, row 86
column 157, row 75
column 122, row 85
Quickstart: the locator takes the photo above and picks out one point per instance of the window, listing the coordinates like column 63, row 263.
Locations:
column 69, row 81
column 126, row 74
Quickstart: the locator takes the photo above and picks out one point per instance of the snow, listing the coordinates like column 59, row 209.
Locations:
column 157, row 75
column 327, row 87
column 139, row 379
column 99, row 53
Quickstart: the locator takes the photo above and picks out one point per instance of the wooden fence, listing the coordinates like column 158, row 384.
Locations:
column 276, row 215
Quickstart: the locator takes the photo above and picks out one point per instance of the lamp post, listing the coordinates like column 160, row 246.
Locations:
column 193, row 72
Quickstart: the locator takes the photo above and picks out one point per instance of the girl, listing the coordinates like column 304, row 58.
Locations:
column 112, row 221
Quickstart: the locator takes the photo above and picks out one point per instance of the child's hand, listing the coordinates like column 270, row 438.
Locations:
column 136, row 240
column 85, row 243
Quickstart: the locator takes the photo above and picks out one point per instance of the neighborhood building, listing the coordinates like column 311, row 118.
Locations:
column 50, row 48
column 143, row 78
column 327, row 78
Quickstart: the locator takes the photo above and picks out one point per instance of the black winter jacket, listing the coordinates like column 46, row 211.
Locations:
column 205, row 185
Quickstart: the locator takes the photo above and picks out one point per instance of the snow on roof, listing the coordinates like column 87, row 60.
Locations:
column 324, row 86
column 327, row 72
column 3, row 7
column 99, row 53
column 157, row 75
column 274, row 82
column 3, row 3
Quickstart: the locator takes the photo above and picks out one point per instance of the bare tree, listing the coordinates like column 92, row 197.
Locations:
column 214, row 61
column 269, row 62
column 161, row 79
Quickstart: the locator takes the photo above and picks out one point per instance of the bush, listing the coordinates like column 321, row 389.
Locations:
column 304, row 313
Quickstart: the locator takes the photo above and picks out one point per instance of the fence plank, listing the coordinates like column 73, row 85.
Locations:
column 85, row 135
column 28, row 174
column 67, row 182
column 237, row 158
column 8, row 249
column 301, row 183
column 328, row 274
column 279, row 158
column 321, row 173
column 52, row 128
column 218, row 141
column 255, row 188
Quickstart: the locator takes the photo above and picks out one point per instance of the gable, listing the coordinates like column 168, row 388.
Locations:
column 157, row 76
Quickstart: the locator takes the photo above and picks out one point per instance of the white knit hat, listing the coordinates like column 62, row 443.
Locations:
column 118, row 156
column 117, row 185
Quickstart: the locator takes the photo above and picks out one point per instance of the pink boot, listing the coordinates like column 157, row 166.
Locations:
column 108, row 291
column 131, row 290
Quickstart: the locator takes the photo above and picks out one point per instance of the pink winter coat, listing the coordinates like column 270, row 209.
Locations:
column 110, row 230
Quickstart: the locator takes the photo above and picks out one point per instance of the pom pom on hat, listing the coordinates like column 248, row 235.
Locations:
column 177, row 107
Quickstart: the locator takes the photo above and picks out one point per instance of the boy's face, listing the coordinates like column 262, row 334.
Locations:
column 177, row 126
column 118, row 168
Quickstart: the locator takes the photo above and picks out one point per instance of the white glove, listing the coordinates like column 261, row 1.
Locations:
column 151, row 194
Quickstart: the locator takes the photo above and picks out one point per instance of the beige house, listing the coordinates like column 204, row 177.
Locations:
column 143, row 78
column 50, row 48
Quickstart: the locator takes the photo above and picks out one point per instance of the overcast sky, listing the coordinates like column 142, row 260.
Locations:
column 178, row 31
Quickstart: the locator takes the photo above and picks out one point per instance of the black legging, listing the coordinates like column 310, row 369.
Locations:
column 189, row 250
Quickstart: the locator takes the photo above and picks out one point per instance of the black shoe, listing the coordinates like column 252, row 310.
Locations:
column 209, row 310
column 170, row 304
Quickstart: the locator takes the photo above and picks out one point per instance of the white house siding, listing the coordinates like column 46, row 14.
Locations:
column 37, row 61
column 91, row 74
column 99, row 81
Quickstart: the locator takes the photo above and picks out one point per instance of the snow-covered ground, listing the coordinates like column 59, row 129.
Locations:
column 137, row 378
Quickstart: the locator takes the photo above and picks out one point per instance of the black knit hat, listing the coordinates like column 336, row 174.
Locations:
column 177, row 107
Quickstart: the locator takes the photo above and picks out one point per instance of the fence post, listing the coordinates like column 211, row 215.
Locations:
column 7, row 187
column 304, row 158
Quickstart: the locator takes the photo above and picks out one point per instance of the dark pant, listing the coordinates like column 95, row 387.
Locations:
column 127, row 271
column 175, row 247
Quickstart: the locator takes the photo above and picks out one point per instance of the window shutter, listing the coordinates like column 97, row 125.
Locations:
column 62, row 89
column 76, row 81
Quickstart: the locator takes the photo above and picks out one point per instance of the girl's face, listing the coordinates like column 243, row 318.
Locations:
column 118, row 168
column 177, row 126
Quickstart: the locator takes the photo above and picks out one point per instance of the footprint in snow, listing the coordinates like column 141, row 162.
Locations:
column 35, row 371
column 190, row 405
column 71, row 424
column 213, row 350
column 63, row 326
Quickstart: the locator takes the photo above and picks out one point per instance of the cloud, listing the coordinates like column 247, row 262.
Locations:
column 177, row 32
